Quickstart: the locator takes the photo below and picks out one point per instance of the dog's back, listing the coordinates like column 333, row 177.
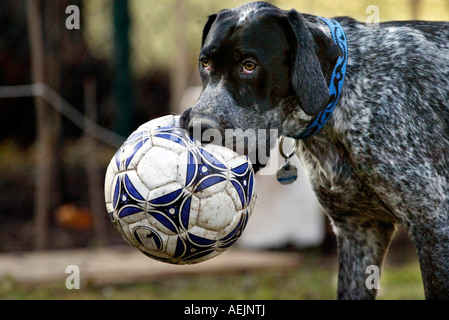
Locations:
column 398, row 77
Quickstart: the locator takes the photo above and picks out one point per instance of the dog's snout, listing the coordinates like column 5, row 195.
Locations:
column 199, row 126
column 202, row 129
column 185, row 119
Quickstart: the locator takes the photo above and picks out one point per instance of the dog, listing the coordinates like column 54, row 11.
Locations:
column 382, row 158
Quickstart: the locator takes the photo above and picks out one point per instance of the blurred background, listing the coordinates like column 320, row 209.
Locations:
column 125, row 63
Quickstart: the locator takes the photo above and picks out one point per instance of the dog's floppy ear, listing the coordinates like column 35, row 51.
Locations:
column 314, row 56
column 207, row 27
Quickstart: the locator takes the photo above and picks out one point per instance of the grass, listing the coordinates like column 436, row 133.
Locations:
column 315, row 280
column 402, row 282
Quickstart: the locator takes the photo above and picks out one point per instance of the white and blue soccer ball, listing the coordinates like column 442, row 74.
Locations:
column 174, row 199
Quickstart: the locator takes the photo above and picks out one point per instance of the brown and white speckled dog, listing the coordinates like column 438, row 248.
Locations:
column 381, row 159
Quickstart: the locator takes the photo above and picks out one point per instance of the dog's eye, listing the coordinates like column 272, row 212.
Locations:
column 248, row 66
column 205, row 63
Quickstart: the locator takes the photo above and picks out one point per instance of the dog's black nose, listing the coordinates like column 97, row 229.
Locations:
column 203, row 129
column 185, row 119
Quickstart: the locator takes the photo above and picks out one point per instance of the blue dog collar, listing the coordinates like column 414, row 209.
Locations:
column 335, row 84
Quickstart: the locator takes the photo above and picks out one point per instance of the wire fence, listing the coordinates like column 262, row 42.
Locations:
column 62, row 106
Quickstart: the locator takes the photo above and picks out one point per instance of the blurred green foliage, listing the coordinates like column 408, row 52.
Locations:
column 153, row 23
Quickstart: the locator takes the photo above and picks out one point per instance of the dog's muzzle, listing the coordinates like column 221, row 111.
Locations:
column 201, row 128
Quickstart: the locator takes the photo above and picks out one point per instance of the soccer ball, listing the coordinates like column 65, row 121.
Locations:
column 174, row 199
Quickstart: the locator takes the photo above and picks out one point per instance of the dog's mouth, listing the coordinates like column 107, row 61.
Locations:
column 207, row 131
column 253, row 143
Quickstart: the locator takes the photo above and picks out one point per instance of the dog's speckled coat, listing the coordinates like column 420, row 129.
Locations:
column 383, row 157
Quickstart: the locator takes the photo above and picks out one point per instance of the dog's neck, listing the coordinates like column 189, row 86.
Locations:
column 335, row 84
column 316, row 22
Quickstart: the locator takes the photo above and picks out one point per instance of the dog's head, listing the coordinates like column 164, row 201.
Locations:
column 260, row 68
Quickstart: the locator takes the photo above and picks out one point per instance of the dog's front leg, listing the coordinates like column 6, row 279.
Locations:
column 362, row 245
column 432, row 243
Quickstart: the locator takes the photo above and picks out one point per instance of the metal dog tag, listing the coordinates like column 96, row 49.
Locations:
column 287, row 174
